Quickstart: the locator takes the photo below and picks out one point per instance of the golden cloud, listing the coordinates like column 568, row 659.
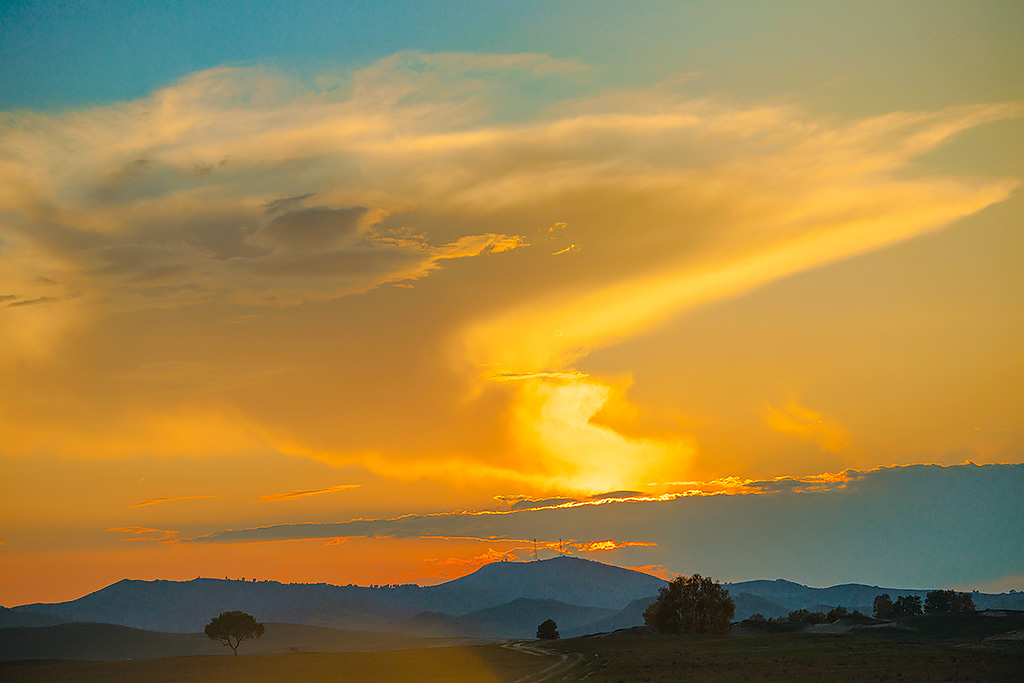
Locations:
column 291, row 495
column 809, row 424
column 237, row 190
column 154, row 501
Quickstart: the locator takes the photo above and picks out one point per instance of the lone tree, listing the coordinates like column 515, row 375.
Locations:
column 548, row 630
column 231, row 628
column 691, row 604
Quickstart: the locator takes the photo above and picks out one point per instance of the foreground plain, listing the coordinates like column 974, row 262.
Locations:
column 622, row 657
column 792, row 657
column 484, row 664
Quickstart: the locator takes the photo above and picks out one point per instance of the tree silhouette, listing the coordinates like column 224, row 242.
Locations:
column 884, row 607
column 907, row 606
column 836, row 613
column 691, row 604
column 548, row 630
column 948, row 601
column 231, row 628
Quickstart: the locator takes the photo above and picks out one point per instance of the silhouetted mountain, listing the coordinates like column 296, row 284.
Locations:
column 186, row 606
column 566, row 579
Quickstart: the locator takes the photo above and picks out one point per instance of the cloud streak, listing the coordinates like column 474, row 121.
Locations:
column 145, row 534
column 292, row 495
column 154, row 501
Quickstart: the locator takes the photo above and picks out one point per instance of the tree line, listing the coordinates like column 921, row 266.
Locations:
column 935, row 602
column 688, row 604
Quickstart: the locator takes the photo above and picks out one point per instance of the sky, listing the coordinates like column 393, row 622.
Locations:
column 381, row 292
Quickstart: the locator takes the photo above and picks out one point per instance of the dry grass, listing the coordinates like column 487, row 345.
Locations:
column 791, row 657
column 484, row 664
column 616, row 658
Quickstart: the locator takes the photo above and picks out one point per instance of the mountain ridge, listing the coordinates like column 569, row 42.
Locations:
column 622, row 594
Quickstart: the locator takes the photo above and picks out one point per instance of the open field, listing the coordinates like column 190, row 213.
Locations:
column 625, row 657
column 98, row 642
column 485, row 664
column 792, row 657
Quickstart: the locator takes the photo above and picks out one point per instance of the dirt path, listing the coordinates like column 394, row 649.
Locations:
column 570, row 665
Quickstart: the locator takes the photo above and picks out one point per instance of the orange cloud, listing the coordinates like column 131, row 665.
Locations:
column 593, row 546
column 658, row 570
column 154, row 501
column 474, row 562
column 139, row 533
column 809, row 424
column 290, row 495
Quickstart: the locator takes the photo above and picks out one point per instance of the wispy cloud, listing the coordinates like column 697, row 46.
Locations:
column 291, row 495
column 519, row 376
column 154, row 501
column 139, row 533
column 806, row 423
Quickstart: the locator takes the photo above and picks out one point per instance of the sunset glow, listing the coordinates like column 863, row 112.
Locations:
column 634, row 289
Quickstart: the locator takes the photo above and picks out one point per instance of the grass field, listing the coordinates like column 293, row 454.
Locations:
column 791, row 657
column 615, row 658
column 490, row 663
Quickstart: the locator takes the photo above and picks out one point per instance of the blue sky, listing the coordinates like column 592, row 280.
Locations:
column 60, row 54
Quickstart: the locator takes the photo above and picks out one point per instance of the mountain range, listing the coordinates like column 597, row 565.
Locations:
column 499, row 600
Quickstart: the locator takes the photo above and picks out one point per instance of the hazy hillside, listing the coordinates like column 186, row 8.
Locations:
column 788, row 596
column 619, row 596
column 629, row 616
column 96, row 642
column 11, row 618
column 99, row 642
column 519, row 618
column 186, row 606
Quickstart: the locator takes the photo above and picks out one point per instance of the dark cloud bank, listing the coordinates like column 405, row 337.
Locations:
column 923, row 525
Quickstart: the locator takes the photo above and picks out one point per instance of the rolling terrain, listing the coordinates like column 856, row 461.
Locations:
column 500, row 600
column 107, row 642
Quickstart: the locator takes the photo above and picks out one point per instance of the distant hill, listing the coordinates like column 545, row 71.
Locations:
column 629, row 616
column 434, row 624
column 98, row 642
column 457, row 607
column 566, row 579
column 780, row 597
column 12, row 618
column 748, row 604
column 186, row 606
column 520, row 618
